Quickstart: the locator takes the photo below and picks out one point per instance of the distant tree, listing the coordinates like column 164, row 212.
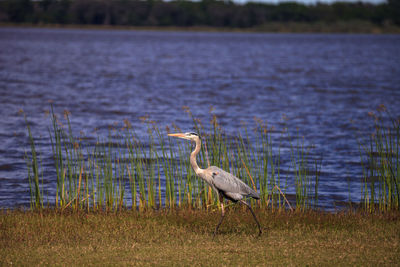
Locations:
column 292, row 11
column 190, row 14
column 19, row 10
column 255, row 15
column 134, row 12
column 52, row 11
column 215, row 13
column 90, row 12
column 163, row 13
column 394, row 11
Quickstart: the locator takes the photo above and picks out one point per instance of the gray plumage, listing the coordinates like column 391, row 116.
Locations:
column 225, row 184
column 230, row 186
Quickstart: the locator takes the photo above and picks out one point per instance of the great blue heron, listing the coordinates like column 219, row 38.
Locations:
column 223, row 183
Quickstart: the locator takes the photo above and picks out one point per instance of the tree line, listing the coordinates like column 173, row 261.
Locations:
column 213, row 13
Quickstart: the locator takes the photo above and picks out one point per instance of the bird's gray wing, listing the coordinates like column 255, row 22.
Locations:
column 230, row 184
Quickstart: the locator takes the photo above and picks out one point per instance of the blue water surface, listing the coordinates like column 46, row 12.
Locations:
column 320, row 86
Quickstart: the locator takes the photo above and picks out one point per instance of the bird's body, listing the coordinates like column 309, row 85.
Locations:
column 225, row 184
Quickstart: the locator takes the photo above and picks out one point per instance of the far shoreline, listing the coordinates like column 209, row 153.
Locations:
column 351, row 27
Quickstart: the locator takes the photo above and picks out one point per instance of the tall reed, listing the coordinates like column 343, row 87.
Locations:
column 380, row 162
column 33, row 171
column 120, row 169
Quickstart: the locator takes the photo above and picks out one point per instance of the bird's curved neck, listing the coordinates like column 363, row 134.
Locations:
column 193, row 155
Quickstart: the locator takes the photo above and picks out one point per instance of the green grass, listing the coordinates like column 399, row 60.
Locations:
column 184, row 237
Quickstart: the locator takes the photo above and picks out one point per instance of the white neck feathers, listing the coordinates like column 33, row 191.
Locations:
column 193, row 155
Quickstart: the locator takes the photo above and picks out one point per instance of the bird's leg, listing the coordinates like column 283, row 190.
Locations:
column 255, row 218
column 221, row 200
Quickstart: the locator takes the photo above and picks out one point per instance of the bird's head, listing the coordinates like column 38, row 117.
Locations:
column 188, row 136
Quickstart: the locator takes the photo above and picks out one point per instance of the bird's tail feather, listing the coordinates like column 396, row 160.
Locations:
column 254, row 194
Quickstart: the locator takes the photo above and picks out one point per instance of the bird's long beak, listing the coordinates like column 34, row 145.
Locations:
column 179, row 135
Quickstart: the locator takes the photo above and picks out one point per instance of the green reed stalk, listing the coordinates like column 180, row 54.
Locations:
column 90, row 189
column 140, row 172
column 151, row 169
column 167, row 168
column 119, row 170
column 55, row 138
column 317, row 171
column 98, row 193
column 37, row 203
column 192, row 189
column 132, row 149
column 381, row 171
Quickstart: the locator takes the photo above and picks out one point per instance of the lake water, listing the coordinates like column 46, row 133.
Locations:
column 319, row 82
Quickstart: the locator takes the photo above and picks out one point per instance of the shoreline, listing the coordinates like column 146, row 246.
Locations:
column 297, row 28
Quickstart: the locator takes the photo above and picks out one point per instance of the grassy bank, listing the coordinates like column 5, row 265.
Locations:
column 185, row 238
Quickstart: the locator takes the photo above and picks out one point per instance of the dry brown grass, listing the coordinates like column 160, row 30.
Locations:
column 185, row 238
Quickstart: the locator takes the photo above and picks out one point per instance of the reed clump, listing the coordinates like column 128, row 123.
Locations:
column 123, row 171
column 380, row 162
